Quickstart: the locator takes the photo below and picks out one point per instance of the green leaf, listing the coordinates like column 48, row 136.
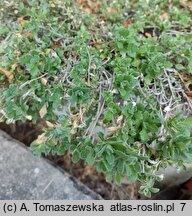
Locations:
column 90, row 159
column 84, row 153
column 107, row 117
column 148, row 79
column 110, row 158
column 109, row 178
column 154, row 190
column 131, row 173
column 179, row 67
column 102, row 166
column 117, row 178
column 187, row 123
column 75, row 156
column 61, row 150
column 144, row 135
column 79, row 94
column 147, row 193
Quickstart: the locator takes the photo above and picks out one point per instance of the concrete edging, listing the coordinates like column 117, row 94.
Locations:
column 23, row 177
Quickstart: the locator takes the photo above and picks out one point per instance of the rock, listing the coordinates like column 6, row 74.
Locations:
column 174, row 177
column 22, row 176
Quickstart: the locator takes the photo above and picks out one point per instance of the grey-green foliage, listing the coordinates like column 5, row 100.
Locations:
column 83, row 71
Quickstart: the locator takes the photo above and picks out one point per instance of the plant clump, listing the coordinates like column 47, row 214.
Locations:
column 112, row 82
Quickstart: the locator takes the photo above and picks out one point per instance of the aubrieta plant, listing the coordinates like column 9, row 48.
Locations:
column 112, row 84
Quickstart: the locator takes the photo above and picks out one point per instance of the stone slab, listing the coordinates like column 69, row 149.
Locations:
column 23, row 177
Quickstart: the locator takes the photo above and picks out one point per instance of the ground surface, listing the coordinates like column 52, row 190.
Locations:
column 24, row 177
